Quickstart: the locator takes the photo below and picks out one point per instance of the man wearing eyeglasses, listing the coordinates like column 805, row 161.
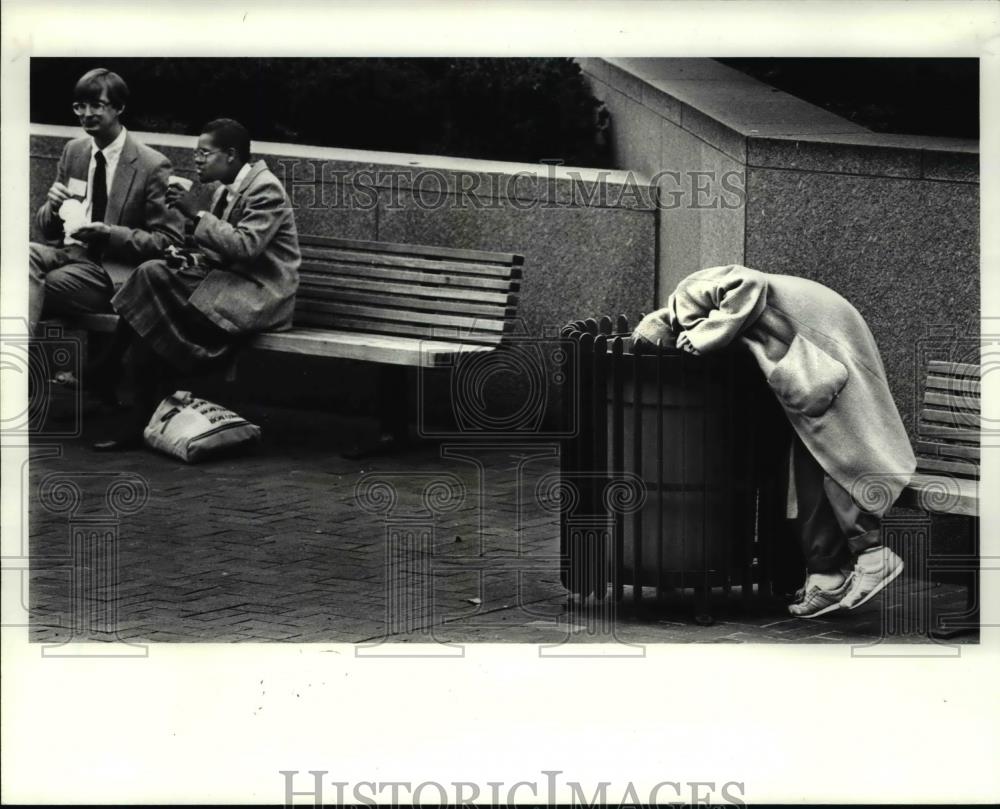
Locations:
column 119, row 187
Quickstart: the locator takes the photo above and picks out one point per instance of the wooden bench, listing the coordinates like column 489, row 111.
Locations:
column 398, row 305
column 947, row 476
column 947, row 450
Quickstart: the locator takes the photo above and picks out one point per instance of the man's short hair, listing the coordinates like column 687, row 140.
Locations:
column 93, row 82
column 229, row 134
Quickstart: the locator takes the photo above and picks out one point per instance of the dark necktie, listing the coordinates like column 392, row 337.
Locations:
column 99, row 191
column 220, row 206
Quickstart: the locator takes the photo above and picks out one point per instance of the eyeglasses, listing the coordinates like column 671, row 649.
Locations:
column 80, row 107
column 204, row 154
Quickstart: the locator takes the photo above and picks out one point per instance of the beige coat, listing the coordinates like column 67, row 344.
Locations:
column 819, row 358
column 254, row 252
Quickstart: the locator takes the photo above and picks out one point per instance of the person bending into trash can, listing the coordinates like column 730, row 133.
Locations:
column 186, row 313
column 850, row 456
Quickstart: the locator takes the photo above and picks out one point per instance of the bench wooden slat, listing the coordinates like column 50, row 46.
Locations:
column 947, row 477
column 952, row 368
column 435, row 292
column 947, row 450
column 954, row 433
column 379, row 314
column 968, row 403
column 412, row 249
column 959, row 418
column 343, row 323
column 949, row 467
column 335, row 270
column 365, row 347
column 958, row 384
column 450, row 267
column 942, row 495
column 405, row 303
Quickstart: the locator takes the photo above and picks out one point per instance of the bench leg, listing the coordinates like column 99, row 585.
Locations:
column 393, row 403
column 968, row 622
column 392, row 410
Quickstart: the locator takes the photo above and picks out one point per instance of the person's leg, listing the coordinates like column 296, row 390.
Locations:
column 822, row 539
column 861, row 529
column 82, row 287
column 823, row 542
column 42, row 259
column 104, row 372
column 874, row 564
column 152, row 378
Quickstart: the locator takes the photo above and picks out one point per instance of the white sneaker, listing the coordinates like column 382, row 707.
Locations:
column 818, row 601
column 873, row 570
column 800, row 594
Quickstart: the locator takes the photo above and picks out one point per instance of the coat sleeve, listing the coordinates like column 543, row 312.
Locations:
column 47, row 220
column 163, row 226
column 265, row 210
column 715, row 305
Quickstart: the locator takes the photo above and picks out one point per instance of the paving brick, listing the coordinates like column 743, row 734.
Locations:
column 273, row 547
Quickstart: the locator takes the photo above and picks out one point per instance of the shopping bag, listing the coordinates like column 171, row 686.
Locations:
column 193, row 429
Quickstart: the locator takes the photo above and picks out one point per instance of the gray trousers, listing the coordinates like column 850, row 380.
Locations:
column 65, row 281
column 830, row 527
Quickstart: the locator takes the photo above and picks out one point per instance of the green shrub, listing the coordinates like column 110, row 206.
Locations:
column 499, row 109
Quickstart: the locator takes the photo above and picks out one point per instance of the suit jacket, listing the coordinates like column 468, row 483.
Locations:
column 820, row 360
column 253, row 251
column 142, row 226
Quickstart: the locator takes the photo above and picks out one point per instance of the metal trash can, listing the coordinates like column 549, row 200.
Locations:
column 700, row 441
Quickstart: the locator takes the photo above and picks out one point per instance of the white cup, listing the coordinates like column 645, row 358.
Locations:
column 182, row 182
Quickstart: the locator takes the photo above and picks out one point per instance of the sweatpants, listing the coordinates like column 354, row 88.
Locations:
column 830, row 527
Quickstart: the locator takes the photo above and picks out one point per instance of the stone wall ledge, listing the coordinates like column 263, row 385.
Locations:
column 429, row 174
column 758, row 125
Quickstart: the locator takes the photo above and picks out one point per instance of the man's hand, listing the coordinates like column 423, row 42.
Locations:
column 183, row 201
column 57, row 195
column 174, row 193
column 92, row 232
column 684, row 344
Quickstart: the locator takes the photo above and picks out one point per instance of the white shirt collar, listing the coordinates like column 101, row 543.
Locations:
column 234, row 186
column 113, row 150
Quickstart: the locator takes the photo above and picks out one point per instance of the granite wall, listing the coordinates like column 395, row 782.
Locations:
column 772, row 182
column 588, row 237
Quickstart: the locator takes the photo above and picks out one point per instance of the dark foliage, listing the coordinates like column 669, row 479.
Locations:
column 902, row 96
column 501, row 109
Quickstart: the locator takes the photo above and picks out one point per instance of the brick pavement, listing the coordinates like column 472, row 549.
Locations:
column 275, row 547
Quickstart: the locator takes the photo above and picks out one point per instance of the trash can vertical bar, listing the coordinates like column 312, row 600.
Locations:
column 600, row 438
column 618, row 454
column 752, row 533
column 568, row 457
column 681, row 361
column 660, row 539
column 580, row 572
column 704, row 608
column 730, row 473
